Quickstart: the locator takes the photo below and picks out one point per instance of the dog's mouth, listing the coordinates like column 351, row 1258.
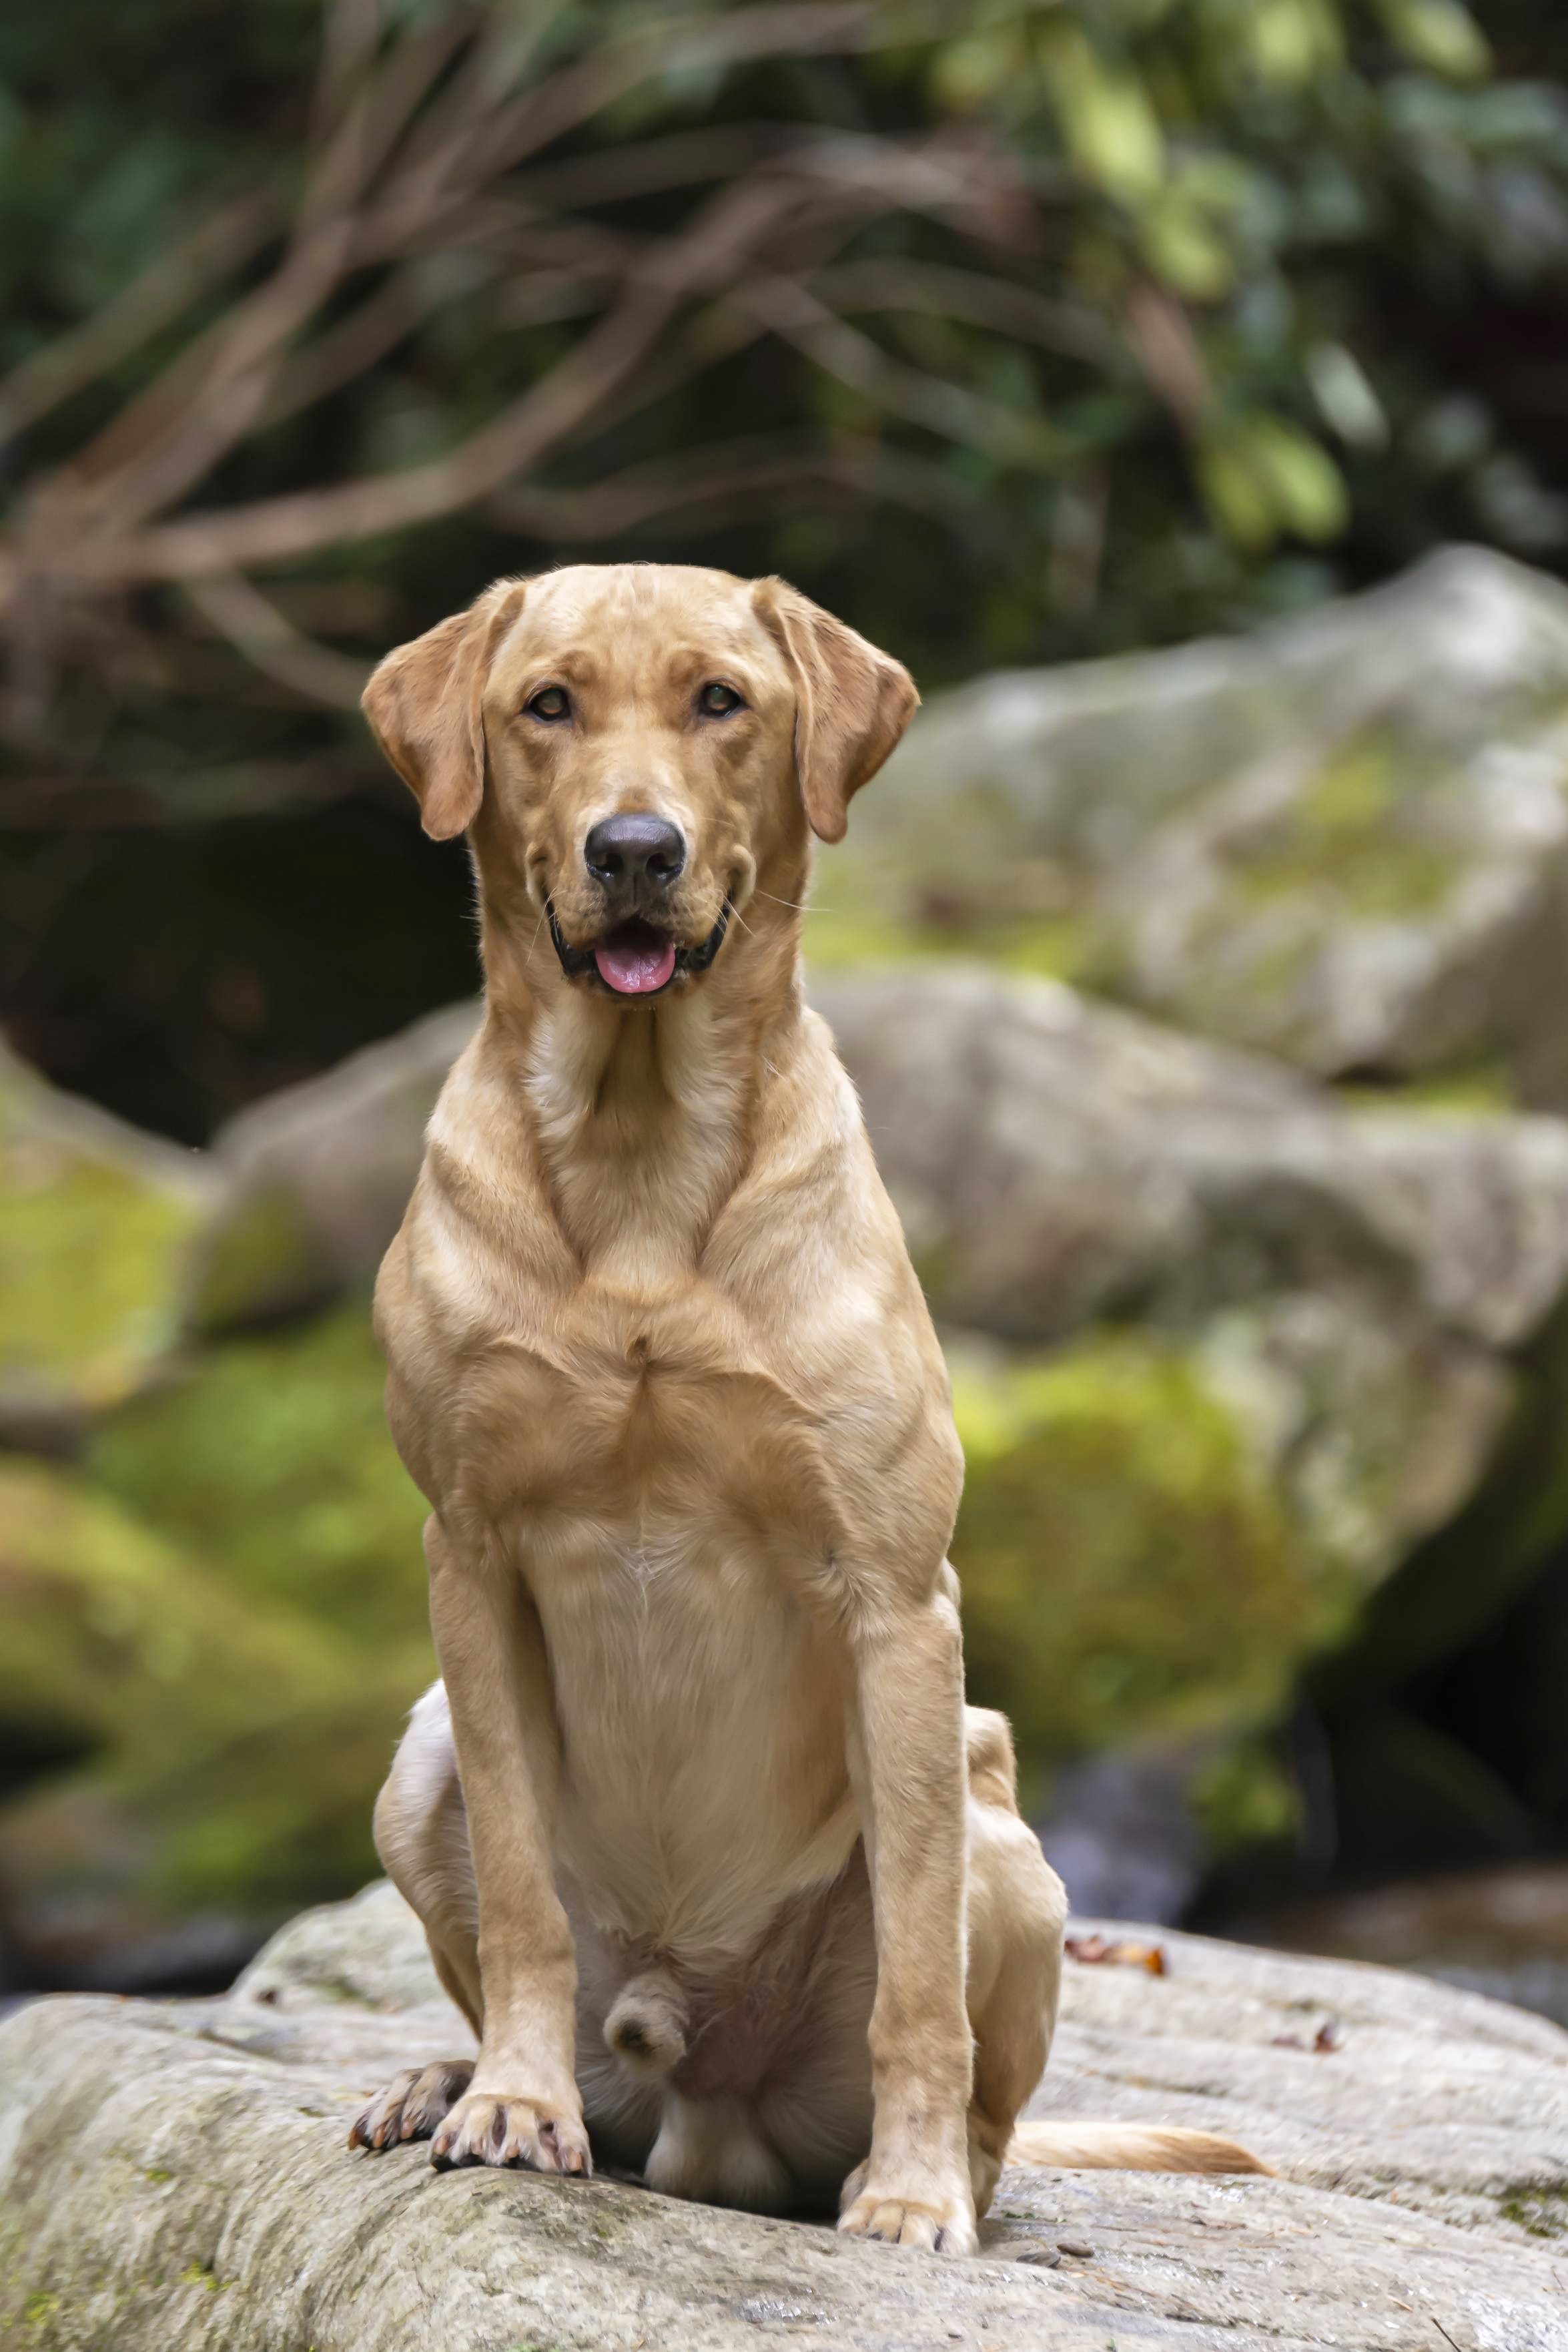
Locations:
column 636, row 958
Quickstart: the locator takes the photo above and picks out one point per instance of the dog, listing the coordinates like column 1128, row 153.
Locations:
column 707, row 1846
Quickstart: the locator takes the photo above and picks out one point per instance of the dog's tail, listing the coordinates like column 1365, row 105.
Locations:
column 1129, row 2147
column 646, row 2025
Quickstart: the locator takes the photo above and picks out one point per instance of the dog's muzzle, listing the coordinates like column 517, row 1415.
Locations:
column 635, row 959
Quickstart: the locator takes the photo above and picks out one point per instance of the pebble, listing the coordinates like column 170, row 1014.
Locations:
column 1045, row 2258
column 1079, row 2246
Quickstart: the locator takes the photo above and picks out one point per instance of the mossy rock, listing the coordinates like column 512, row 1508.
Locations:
column 1342, row 839
column 274, row 1463
column 1129, row 1567
column 98, row 1225
column 170, row 1743
column 220, row 1624
column 117, row 1642
column 317, row 1176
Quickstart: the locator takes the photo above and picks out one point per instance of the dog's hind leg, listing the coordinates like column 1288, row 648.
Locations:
column 1017, row 1908
column 422, row 1836
column 1017, row 1911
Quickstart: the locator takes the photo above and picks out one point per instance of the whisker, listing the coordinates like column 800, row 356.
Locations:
column 799, row 904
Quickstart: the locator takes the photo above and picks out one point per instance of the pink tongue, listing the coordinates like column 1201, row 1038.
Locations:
column 634, row 970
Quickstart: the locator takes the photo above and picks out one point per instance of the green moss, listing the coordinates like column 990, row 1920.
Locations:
column 116, row 1641
column 274, row 1464
column 219, row 1636
column 1481, row 1090
column 1541, row 2210
column 1245, row 1797
column 94, row 1246
column 259, row 1261
column 1127, row 1569
column 1049, row 946
column 1352, row 831
column 201, row 2275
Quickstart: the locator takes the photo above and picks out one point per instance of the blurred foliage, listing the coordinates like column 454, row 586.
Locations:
column 1241, row 293
column 1011, row 332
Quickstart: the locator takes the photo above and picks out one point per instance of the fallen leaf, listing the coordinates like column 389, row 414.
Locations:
column 1097, row 1950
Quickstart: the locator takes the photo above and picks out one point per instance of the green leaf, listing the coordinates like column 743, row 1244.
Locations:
column 1290, row 42
column 1108, row 121
column 1345, row 397
column 968, row 73
column 1181, row 246
column 1441, row 35
column 1235, row 496
column 1307, row 487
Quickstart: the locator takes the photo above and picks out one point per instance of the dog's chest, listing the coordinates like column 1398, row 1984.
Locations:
column 661, row 1512
column 700, row 1710
column 639, row 1405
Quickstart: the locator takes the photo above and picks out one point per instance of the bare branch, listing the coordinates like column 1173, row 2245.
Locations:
column 934, row 402
column 736, row 477
column 1016, row 312
column 181, row 446
column 646, row 167
column 577, row 92
column 272, row 643
column 1162, row 335
column 226, row 240
column 553, row 408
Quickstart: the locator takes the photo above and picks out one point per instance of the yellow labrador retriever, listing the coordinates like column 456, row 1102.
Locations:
column 705, row 1842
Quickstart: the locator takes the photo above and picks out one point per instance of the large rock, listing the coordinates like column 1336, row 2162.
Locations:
column 98, row 1223
column 316, row 1176
column 1224, row 1348
column 177, row 2176
column 216, row 1624
column 1056, row 1161
column 1344, row 838
column 1282, row 1337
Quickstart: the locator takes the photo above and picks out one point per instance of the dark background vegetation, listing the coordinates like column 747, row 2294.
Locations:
column 1027, row 333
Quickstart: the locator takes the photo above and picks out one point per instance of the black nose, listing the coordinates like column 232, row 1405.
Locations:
column 635, row 849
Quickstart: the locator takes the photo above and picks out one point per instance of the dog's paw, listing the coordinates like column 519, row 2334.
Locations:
column 485, row 2129
column 412, row 2104
column 942, row 2225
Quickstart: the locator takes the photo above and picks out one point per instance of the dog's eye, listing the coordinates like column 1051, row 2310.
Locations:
column 550, row 702
column 717, row 701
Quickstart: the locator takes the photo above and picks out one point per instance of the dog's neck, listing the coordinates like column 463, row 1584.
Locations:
column 642, row 1119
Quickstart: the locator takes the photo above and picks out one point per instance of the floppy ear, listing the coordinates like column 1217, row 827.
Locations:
column 424, row 704
column 852, row 703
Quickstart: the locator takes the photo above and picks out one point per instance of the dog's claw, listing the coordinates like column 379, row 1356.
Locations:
column 411, row 2105
column 487, row 2128
column 945, row 2229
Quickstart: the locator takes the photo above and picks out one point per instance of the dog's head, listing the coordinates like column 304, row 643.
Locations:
column 637, row 749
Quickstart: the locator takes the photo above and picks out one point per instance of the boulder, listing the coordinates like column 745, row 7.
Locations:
column 98, row 1223
column 1344, row 838
column 216, row 1624
column 176, row 2175
column 273, row 1461
column 1225, row 1347
column 1057, row 1161
column 317, row 1176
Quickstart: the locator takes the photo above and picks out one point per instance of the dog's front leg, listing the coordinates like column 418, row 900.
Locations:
column 522, row 2106
column 908, row 1759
